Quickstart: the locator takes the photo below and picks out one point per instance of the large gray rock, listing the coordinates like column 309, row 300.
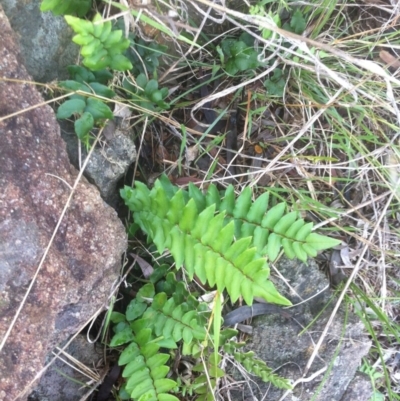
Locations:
column 45, row 39
column 84, row 259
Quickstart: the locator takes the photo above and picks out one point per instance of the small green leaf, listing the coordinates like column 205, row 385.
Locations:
column 74, row 85
column 285, row 223
column 288, row 248
column 141, row 81
column 122, row 337
column 228, row 203
column 298, row 22
column 107, row 26
column 296, row 226
column 151, row 87
column 79, row 25
column 102, row 90
column 299, row 251
column 304, row 231
column 47, row 5
column 242, row 204
column 70, row 107
column 237, row 248
column 120, row 63
column 273, row 246
column 309, row 250
column 80, row 74
column 117, row 317
column 98, row 109
column 189, row 216
column 212, row 197
column 83, row 125
column 82, row 39
column 321, row 242
column 273, row 216
column 258, row 208
column 129, row 354
column 98, row 25
column 135, row 309
column 113, row 38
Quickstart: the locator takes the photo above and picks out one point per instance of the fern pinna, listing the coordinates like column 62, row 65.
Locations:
column 220, row 239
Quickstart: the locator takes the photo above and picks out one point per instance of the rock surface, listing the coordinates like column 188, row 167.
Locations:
column 69, row 384
column 109, row 161
column 286, row 344
column 84, row 259
column 45, row 39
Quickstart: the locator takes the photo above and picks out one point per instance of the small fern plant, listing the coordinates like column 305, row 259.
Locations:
column 222, row 241
column 165, row 315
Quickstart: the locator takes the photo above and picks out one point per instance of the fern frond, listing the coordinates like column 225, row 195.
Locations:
column 195, row 239
column 145, row 369
column 255, row 365
column 175, row 320
column 254, row 219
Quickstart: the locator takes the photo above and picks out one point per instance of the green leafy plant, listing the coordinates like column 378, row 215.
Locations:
column 297, row 23
column 254, row 365
column 102, row 47
column 163, row 315
column 87, row 109
column 144, row 56
column 65, row 7
column 275, row 85
column 238, row 56
column 223, row 242
column 146, row 93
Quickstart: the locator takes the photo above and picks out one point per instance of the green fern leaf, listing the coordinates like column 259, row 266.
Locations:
column 295, row 227
column 321, row 242
column 161, row 200
column 164, row 385
column 312, row 252
column 273, row 246
column 288, row 248
column 176, row 321
column 177, row 250
column 135, row 309
column 255, row 365
column 273, row 216
column 224, row 240
column 237, row 248
column 242, row 204
column 247, row 229
column 299, row 251
column 213, row 230
column 176, row 208
column 258, row 208
column 202, row 222
column 213, row 197
column 197, row 196
column 190, row 257
column 200, row 252
column 228, row 203
column 260, row 238
column 285, row 223
column 304, row 231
